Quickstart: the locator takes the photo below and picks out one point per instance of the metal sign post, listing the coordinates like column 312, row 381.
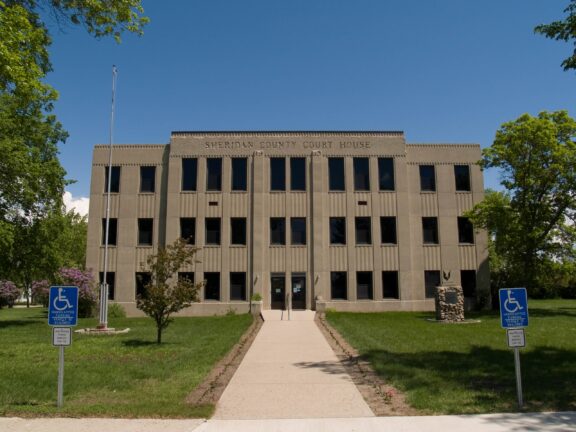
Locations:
column 62, row 314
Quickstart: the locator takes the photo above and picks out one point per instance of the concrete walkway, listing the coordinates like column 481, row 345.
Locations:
column 290, row 372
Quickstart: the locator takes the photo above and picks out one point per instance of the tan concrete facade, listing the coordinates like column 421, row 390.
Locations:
column 316, row 261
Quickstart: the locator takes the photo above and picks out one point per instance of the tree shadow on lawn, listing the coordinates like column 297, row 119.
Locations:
column 136, row 343
column 18, row 323
column 487, row 374
column 556, row 312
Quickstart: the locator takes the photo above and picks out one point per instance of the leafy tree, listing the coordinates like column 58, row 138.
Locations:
column 162, row 297
column 563, row 30
column 531, row 224
column 84, row 280
column 9, row 293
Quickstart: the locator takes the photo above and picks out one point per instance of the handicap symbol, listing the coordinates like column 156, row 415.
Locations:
column 511, row 304
column 61, row 301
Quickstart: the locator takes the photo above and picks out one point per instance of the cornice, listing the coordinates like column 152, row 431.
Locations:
column 199, row 134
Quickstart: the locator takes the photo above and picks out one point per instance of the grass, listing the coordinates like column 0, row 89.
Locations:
column 468, row 368
column 125, row 375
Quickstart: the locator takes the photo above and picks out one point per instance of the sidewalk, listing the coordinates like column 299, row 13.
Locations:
column 290, row 372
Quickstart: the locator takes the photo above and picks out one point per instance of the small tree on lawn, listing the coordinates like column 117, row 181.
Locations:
column 161, row 299
column 9, row 293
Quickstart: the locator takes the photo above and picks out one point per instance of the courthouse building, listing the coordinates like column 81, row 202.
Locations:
column 352, row 221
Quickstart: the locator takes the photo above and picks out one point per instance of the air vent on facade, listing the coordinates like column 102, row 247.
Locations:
column 213, row 203
column 362, row 202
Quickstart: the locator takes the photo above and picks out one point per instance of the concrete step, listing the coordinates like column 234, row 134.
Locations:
column 295, row 315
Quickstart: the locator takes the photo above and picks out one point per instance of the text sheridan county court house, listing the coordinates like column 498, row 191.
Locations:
column 353, row 221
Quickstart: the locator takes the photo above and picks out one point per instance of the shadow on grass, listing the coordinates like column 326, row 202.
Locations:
column 18, row 323
column 487, row 375
column 135, row 343
column 546, row 313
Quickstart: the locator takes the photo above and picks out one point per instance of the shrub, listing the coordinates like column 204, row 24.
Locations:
column 9, row 293
column 116, row 311
column 256, row 297
column 41, row 292
column 87, row 294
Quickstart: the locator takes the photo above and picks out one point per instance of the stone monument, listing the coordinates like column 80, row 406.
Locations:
column 449, row 301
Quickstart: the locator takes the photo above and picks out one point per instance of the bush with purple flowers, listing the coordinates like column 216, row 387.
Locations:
column 9, row 293
column 41, row 292
column 87, row 294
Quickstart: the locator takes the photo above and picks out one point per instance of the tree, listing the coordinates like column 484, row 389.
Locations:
column 563, row 30
column 162, row 297
column 84, row 280
column 531, row 224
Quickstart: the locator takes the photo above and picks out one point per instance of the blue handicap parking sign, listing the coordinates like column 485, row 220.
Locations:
column 513, row 307
column 63, row 306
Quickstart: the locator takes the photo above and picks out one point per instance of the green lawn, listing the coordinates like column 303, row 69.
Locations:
column 118, row 376
column 468, row 368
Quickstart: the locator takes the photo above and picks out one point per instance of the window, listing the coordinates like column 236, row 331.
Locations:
column 298, row 231
column 145, row 232
column 239, row 174
column 390, row 284
column 336, row 174
column 238, row 286
column 115, row 180
column 111, row 281
column 188, row 230
column 338, row 230
column 361, row 174
column 462, row 177
column 388, row 229
column 430, row 230
column 364, row 285
column 363, row 230
column 142, row 279
column 427, row 178
column 147, row 179
column 212, row 286
column 465, row 231
column 189, row 174
column 238, row 231
column 298, row 174
column 277, row 174
column 186, row 275
column 212, row 231
column 112, row 231
column 431, row 281
column 386, row 174
column 468, row 282
column 338, row 285
column 277, row 231
column 214, row 174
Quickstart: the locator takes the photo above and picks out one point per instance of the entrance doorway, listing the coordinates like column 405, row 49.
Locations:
column 298, row 291
column 278, row 291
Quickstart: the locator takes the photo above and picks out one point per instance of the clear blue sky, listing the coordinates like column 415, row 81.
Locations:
column 444, row 71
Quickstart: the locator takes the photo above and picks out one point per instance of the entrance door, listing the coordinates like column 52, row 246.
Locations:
column 298, row 291
column 278, row 291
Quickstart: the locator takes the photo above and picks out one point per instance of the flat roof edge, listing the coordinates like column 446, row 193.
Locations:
column 287, row 132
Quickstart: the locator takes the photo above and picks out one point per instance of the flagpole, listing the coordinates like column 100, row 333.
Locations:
column 103, row 322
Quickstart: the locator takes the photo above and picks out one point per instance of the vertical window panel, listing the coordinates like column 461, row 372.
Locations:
column 336, row 174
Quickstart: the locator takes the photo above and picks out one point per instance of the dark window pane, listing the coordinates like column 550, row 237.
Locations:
column 189, row 174
column 430, row 230
column 465, row 230
column 363, row 230
column 239, row 174
column 212, row 287
column 298, row 230
column 212, row 231
column 188, row 230
column 298, row 174
column 147, row 179
column 364, row 285
column 186, row 275
column 115, row 181
column 388, row 229
column 336, row 174
column 462, row 177
column 238, row 231
column 337, row 230
column 386, row 174
column 277, row 231
column 468, row 281
column 111, row 281
column 361, row 174
column 145, row 231
column 427, row 178
column 142, row 279
column 277, row 174
column 390, row 284
column 431, row 281
column 238, row 286
column 338, row 285
column 214, row 174
column 112, row 231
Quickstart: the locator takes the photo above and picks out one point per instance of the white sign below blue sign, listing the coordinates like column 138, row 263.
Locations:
column 513, row 307
column 63, row 306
